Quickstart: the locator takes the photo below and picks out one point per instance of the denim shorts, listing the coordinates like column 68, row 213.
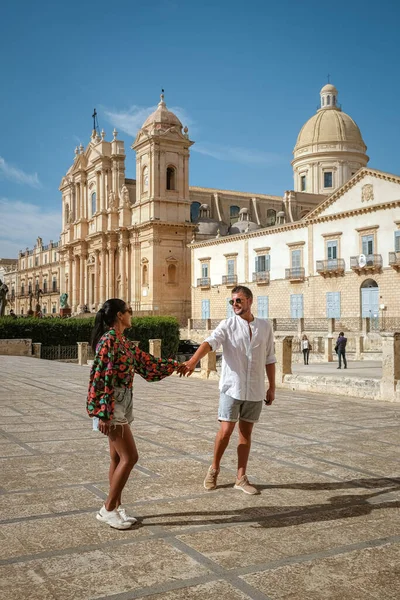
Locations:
column 123, row 406
column 233, row 410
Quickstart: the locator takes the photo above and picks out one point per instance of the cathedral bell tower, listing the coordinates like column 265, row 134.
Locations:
column 161, row 213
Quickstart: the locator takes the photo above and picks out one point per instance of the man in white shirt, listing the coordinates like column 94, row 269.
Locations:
column 248, row 350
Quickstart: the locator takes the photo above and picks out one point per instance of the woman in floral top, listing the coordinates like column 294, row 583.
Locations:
column 110, row 398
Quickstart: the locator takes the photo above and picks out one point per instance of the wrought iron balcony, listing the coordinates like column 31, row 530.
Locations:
column 50, row 290
column 333, row 266
column 229, row 279
column 295, row 274
column 372, row 263
column 261, row 277
column 394, row 260
column 204, row 282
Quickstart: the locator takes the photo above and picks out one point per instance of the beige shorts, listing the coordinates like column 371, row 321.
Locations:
column 123, row 406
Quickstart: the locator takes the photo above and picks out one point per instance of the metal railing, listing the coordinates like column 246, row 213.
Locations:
column 372, row 261
column 60, row 352
column 296, row 274
column 261, row 277
column 229, row 279
column 204, row 282
column 331, row 265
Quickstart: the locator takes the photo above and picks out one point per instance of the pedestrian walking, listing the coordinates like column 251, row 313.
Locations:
column 109, row 399
column 248, row 351
column 340, row 348
column 305, row 348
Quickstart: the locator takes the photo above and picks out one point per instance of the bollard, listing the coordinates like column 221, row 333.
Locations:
column 283, row 353
column 208, row 366
column 37, row 350
column 359, row 347
column 82, row 353
column 390, row 366
column 155, row 348
column 328, row 353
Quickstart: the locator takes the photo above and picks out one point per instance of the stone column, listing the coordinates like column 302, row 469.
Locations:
column 74, row 285
column 390, row 388
column 274, row 325
column 82, row 353
column 82, row 282
column 111, row 272
column 37, row 350
column 209, row 366
column 366, row 325
column 331, row 326
column 328, row 354
column 103, row 275
column 97, row 279
column 359, row 346
column 155, row 348
column 102, row 190
column 283, row 353
column 300, row 327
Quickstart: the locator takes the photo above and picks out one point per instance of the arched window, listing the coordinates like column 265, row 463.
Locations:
column 194, row 211
column 30, row 287
column 234, row 214
column 271, row 216
column 145, row 277
column 145, row 179
column 171, row 273
column 93, row 203
column 334, row 100
column 328, row 100
column 171, row 172
column 44, row 285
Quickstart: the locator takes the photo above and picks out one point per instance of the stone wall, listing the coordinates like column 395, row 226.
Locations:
column 16, row 347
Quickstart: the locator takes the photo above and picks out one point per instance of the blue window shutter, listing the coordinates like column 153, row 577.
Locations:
column 262, row 307
column 333, row 305
column 296, row 306
column 205, row 309
column 397, row 241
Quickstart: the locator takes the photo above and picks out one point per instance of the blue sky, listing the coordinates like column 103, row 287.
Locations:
column 244, row 76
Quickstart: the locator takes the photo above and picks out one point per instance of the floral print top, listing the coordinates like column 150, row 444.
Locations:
column 117, row 360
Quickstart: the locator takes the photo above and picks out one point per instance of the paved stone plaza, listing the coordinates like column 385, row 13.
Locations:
column 326, row 525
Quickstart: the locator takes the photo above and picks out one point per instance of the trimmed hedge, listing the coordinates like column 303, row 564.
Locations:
column 66, row 332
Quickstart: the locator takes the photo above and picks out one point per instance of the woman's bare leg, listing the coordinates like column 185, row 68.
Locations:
column 123, row 444
column 114, row 462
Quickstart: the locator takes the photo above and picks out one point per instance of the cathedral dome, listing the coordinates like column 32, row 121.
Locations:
column 329, row 148
column 208, row 227
column 162, row 116
column 329, row 126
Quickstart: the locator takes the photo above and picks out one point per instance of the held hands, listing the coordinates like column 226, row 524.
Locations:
column 270, row 396
column 186, row 369
column 104, row 426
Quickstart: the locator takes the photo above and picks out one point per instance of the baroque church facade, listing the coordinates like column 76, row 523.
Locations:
column 167, row 247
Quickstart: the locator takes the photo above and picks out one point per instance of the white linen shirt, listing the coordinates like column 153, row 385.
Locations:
column 244, row 360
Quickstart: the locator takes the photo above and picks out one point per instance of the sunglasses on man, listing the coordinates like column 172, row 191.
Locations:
column 235, row 301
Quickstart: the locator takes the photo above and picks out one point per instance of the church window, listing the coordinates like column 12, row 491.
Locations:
column 334, row 100
column 303, row 183
column 54, row 309
column 93, row 203
column 328, row 179
column 30, row 287
column 22, row 289
column 54, row 283
column 145, row 278
column 171, row 178
column 194, row 211
column 328, row 100
column 145, row 179
column 271, row 217
column 234, row 214
column 171, row 273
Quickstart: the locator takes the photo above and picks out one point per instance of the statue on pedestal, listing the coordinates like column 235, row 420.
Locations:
column 64, row 301
column 3, row 297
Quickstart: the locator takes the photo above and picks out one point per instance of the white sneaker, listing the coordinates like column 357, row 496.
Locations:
column 125, row 517
column 112, row 518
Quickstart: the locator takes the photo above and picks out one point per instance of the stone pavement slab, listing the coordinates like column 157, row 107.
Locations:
column 325, row 526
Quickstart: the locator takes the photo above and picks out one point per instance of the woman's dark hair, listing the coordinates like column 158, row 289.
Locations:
column 106, row 318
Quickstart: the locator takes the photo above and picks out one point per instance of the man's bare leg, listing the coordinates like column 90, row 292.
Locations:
column 221, row 442
column 244, row 445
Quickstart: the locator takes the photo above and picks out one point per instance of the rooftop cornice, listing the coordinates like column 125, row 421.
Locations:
column 194, row 188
